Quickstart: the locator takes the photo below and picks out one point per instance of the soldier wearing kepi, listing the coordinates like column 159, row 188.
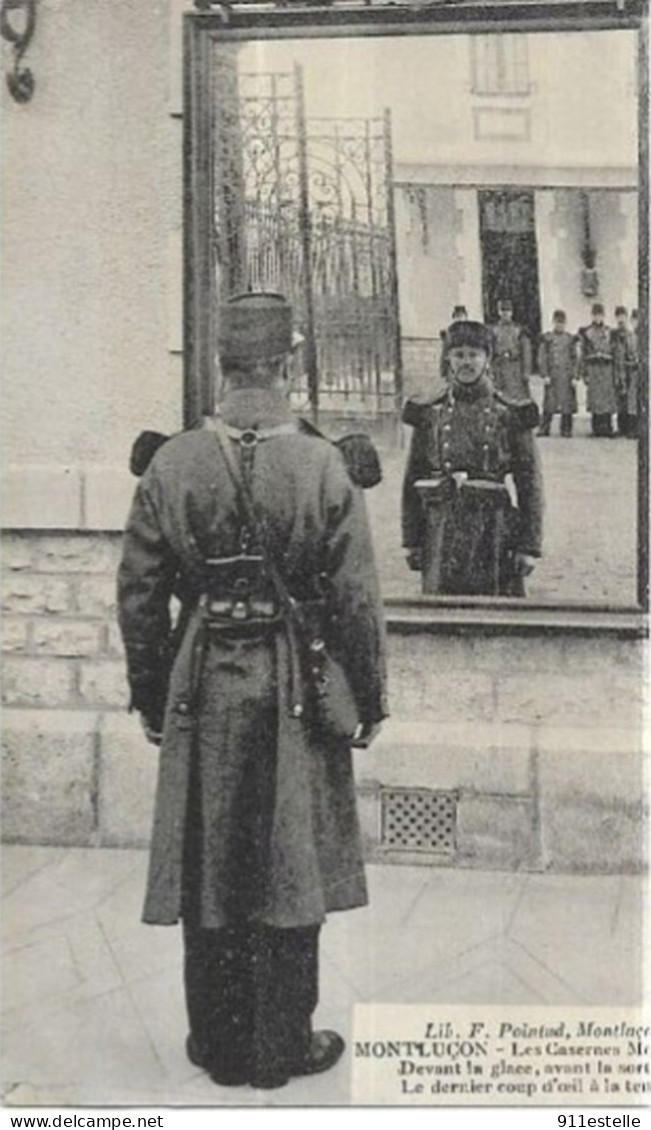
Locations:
column 557, row 365
column 255, row 833
column 625, row 366
column 511, row 354
column 597, row 370
column 459, row 524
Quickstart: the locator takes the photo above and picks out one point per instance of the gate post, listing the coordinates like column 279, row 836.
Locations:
column 393, row 262
column 305, row 224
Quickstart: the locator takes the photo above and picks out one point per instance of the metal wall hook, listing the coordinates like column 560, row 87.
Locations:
column 20, row 80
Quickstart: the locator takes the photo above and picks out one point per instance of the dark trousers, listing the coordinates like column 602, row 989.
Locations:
column 250, row 992
column 627, row 424
column 546, row 424
column 602, row 424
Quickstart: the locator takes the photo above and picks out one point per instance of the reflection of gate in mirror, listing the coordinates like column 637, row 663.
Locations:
column 304, row 206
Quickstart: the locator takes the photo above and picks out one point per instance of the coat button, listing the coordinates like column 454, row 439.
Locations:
column 297, row 711
column 183, row 708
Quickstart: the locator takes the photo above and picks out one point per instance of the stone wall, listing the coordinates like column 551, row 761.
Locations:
column 539, row 736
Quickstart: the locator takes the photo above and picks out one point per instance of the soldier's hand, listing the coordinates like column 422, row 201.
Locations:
column 365, row 734
column 524, row 564
column 415, row 559
column 547, row 381
column 152, row 734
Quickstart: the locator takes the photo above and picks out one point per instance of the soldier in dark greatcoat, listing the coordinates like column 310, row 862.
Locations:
column 459, row 314
column 558, row 367
column 511, row 354
column 459, row 523
column 596, row 369
column 625, row 369
column 256, row 834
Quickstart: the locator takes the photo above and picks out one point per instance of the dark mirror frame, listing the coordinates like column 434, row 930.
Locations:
column 257, row 19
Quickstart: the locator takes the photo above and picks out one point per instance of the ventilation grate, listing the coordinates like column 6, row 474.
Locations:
column 419, row 820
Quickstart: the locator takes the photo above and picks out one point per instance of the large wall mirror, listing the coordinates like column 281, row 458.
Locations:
column 381, row 167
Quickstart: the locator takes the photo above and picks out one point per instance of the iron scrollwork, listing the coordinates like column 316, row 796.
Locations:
column 20, row 80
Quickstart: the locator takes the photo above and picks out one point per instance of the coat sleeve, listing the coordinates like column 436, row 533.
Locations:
column 526, row 354
column 146, row 578
column 418, row 467
column 527, row 476
column 357, row 632
column 542, row 358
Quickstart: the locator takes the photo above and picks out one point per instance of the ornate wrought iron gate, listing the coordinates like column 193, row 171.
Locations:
column 305, row 206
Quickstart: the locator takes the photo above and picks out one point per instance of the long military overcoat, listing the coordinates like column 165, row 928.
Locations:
column 558, row 362
column 597, row 369
column 259, row 800
column 511, row 360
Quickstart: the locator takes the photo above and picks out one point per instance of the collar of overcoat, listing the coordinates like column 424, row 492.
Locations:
column 255, row 408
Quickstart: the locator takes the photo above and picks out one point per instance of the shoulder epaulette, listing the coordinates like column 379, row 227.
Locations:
column 358, row 452
column 143, row 450
column 415, row 408
column 525, row 413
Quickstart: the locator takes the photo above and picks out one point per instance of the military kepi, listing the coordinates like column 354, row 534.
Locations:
column 474, row 334
column 254, row 327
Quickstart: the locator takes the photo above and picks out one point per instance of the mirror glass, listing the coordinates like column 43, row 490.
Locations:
column 381, row 181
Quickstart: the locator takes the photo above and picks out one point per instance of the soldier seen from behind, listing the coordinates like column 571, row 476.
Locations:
column 511, row 354
column 281, row 660
column 558, row 367
column 597, row 370
column 460, row 525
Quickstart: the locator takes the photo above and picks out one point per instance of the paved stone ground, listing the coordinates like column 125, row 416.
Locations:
column 590, row 549
column 93, row 1011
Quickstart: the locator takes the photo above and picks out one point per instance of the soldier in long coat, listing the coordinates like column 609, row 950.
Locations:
column 510, row 354
column 465, row 443
column 255, row 832
column 597, row 370
column 558, row 367
column 625, row 369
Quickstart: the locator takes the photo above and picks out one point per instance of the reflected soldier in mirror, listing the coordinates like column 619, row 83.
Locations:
column 557, row 365
column 459, row 314
column 511, row 360
column 625, row 368
column 596, row 368
column 461, row 526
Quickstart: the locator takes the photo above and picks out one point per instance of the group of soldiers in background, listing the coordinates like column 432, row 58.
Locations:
column 605, row 358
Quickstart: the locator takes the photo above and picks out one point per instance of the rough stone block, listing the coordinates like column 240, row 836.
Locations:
column 423, row 683
column 28, row 594
column 476, row 757
column 109, row 493
column 15, row 635
column 114, row 641
column 368, row 809
column 127, row 782
column 48, row 777
column 602, row 764
column 16, row 551
column 41, row 497
column 96, row 596
column 66, row 637
column 103, row 683
column 599, row 655
column 37, row 682
column 77, row 553
column 576, row 700
column 496, row 832
column 507, row 654
column 582, row 834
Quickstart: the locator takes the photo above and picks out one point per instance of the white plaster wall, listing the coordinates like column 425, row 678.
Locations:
column 92, row 199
